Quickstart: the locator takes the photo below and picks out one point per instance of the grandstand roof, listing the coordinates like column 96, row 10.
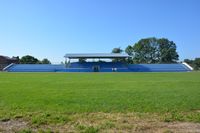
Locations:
column 96, row 55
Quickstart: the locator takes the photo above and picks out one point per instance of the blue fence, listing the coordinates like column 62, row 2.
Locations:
column 102, row 67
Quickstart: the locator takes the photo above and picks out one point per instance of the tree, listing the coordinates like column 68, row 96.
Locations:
column 194, row 63
column 117, row 51
column 197, row 64
column 45, row 61
column 167, row 51
column 17, row 59
column 197, row 61
column 145, row 51
column 29, row 60
column 189, row 61
column 152, row 50
column 130, row 52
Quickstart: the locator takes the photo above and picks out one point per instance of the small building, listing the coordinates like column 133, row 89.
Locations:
column 5, row 61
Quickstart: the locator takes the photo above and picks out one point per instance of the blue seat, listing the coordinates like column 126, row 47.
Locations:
column 35, row 68
column 158, row 68
column 104, row 67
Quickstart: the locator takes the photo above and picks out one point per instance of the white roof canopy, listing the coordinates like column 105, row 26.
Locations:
column 96, row 55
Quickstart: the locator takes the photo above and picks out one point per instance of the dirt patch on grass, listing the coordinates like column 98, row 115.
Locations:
column 162, row 127
column 103, row 122
column 11, row 126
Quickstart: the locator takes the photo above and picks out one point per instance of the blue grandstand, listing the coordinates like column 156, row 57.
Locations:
column 98, row 66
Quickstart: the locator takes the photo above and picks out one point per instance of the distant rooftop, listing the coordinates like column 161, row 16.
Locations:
column 95, row 55
column 8, row 58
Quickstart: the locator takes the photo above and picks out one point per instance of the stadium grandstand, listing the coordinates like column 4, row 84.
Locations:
column 97, row 62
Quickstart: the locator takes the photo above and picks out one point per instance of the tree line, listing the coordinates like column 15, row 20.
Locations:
column 28, row 59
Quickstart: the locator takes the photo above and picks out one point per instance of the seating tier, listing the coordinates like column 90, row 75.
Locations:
column 103, row 67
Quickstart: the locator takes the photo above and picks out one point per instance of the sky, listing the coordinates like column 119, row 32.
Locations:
column 52, row 28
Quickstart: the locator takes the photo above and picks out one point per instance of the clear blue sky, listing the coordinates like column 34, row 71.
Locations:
column 51, row 28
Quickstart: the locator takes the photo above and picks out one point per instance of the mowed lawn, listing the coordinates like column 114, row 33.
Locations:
column 100, row 92
column 99, row 102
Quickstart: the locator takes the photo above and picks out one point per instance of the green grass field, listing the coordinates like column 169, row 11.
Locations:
column 44, row 98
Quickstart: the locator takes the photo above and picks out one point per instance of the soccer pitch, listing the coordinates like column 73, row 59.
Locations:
column 60, row 98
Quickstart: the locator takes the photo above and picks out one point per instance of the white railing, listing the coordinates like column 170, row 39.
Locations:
column 5, row 68
column 186, row 64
